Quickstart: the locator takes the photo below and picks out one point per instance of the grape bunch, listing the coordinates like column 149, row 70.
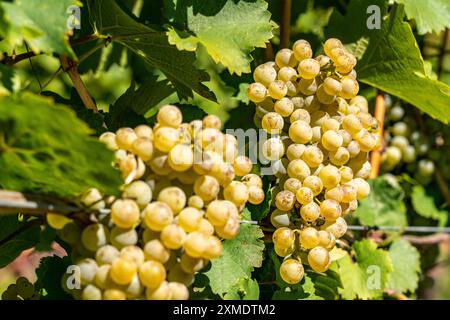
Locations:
column 185, row 188
column 320, row 135
column 407, row 147
column 21, row 290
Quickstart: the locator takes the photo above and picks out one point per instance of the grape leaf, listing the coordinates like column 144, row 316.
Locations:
column 424, row 205
column 368, row 276
column 384, row 206
column 46, row 149
column 110, row 20
column 239, row 258
column 229, row 30
column 430, row 16
column 16, row 236
column 6, row 80
column 244, row 289
column 406, row 266
column 390, row 58
column 43, row 24
column 49, row 275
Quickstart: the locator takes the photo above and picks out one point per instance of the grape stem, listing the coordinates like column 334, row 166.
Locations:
column 70, row 66
column 427, row 240
column 375, row 156
column 285, row 23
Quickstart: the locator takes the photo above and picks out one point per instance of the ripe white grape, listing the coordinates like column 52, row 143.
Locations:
column 189, row 219
column 138, row 191
column 123, row 237
column 330, row 176
column 272, row 123
column 314, row 183
column 207, row 187
column 178, row 291
column 326, row 240
column 163, row 292
column 350, row 87
column 337, row 228
column 125, row 138
column 309, row 238
column 169, row 116
column 335, row 193
column 292, row 185
column 300, row 132
column 291, row 271
column 133, row 253
column 109, row 139
column 332, row 86
column 93, row 199
column 88, row 268
column 308, row 68
column 295, row 151
column 181, row 157
column 330, row 209
column 302, row 50
column 323, row 96
column 331, row 44
column 284, row 107
column 257, row 92
column 285, row 200
column 283, row 237
column 319, row 259
column 252, row 179
column 310, row 212
column 122, row 271
column 173, row 236
column 300, row 114
column 285, row 58
column 287, row 74
column 229, row 230
column 152, row 274
column 144, row 131
column 331, row 140
column 298, row 169
column 265, row 74
column 242, row 165
column 195, row 202
column 196, row 244
column 273, row 149
column 313, row 156
column 236, row 192
column 91, row 292
column 307, row 86
column 125, row 213
column 255, row 195
column 166, row 138
column 157, row 215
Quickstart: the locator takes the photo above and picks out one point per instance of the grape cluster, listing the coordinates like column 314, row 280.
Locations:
column 406, row 146
column 21, row 290
column 321, row 134
column 181, row 196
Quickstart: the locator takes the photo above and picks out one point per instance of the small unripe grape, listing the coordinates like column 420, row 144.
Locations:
column 302, row 50
column 331, row 44
column 330, row 209
column 331, row 140
column 314, row 183
column 425, row 167
column 174, row 197
column 300, row 132
column 396, row 113
column 144, row 131
column 285, row 200
column 255, row 195
column 277, row 89
column 122, row 271
column 393, row 155
column 330, row 176
column 298, row 169
column 125, row 138
column 152, row 274
column 285, row 58
column 295, row 151
column 409, row 154
column 291, row 271
column 350, row 88
column 308, row 68
column 163, row 292
column 178, row 291
column 169, row 116
column 279, row 219
column 125, row 213
column 157, row 215
column 257, row 92
column 284, row 107
column 252, row 179
column 207, row 187
column 196, row 244
column 310, row 212
column 400, row 142
column 236, row 192
column 196, row 202
column 109, row 139
column 309, row 238
column 273, row 149
column 138, row 191
column 313, row 156
column 400, row 129
column 229, row 230
column 319, row 259
column 166, row 138
column 95, row 236
column 265, row 74
column 189, row 219
column 283, row 237
column 93, row 199
column 212, row 121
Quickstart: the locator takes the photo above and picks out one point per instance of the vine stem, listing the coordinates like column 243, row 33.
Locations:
column 375, row 156
column 285, row 23
column 427, row 240
column 70, row 66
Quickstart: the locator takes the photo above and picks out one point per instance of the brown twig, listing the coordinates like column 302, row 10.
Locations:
column 285, row 23
column 375, row 156
column 442, row 53
column 10, row 60
column 82, row 40
column 70, row 66
column 427, row 240
column 269, row 52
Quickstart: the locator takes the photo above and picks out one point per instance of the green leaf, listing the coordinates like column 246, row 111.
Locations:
column 430, row 16
column 49, row 275
column 406, row 266
column 16, row 236
column 6, row 80
column 367, row 277
column 46, row 149
column 424, row 205
column 244, row 289
column 390, row 58
column 110, row 20
column 239, row 258
column 384, row 206
column 229, row 30
column 41, row 23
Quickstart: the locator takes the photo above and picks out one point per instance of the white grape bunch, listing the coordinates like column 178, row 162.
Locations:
column 185, row 188
column 321, row 134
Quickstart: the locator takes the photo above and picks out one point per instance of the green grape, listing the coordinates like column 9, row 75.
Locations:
column 425, row 167
column 400, row 129
column 95, row 236
column 291, row 271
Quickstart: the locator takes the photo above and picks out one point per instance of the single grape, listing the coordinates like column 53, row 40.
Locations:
column 300, row 132
column 291, row 271
column 319, row 259
column 265, row 74
column 173, row 236
column 308, row 68
column 166, row 138
column 152, row 274
column 157, row 215
column 330, row 209
column 272, row 123
column 106, row 255
column 280, row 219
column 285, row 200
column 314, row 183
column 283, row 237
column 273, row 149
column 285, row 58
column 309, row 238
column 302, row 50
column 284, row 107
column 310, row 212
column 298, row 169
column 277, row 89
column 257, row 92
column 138, row 191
